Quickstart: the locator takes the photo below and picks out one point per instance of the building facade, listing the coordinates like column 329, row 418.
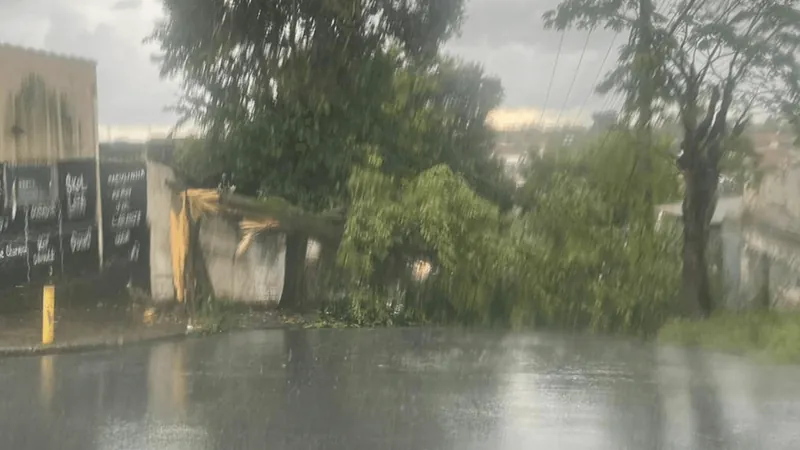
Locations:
column 50, row 203
column 770, row 273
column 48, row 106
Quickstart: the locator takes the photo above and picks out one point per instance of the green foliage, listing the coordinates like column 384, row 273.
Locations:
column 713, row 61
column 563, row 262
column 772, row 335
column 291, row 93
column 434, row 216
column 611, row 165
column 612, row 271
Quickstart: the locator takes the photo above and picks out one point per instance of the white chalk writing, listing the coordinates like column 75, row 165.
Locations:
column 119, row 179
column 44, row 253
column 122, row 238
column 81, row 241
column 76, row 195
column 45, row 257
column 43, row 212
column 122, row 207
column 121, row 194
column 13, row 250
column 135, row 252
column 130, row 219
column 26, row 184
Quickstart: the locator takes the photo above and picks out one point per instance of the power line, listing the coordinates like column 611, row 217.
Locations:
column 612, row 99
column 574, row 77
column 599, row 74
column 609, row 132
column 552, row 78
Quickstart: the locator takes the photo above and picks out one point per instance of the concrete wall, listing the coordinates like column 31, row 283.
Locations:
column 47, row 106
column 771, row 233
column 253, row 277
column 731, row 256
column 159, row 204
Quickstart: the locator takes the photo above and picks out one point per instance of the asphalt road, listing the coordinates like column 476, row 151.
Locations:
column 397, row 389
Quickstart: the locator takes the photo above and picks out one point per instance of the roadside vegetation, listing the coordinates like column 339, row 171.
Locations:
column 350, row 107
column 770, row 335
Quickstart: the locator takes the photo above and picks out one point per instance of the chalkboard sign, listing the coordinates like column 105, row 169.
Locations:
column 13, row 263
column 79, row 251
column 33, row 204
column 12, row 219
column 124, row 206
column 77, row 192
column 31, row 185
column 44, row 255
column 49, row 224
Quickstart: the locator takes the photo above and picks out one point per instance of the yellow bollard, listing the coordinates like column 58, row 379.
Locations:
column 48, row 314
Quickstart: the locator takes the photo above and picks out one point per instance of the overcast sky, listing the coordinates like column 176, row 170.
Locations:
column 506, row 36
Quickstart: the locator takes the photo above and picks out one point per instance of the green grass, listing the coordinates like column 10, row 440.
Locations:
column 772, row 335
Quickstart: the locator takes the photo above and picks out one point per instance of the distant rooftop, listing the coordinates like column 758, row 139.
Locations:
column 45, row 53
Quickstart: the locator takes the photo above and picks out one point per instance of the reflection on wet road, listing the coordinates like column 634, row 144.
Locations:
column 397, row 389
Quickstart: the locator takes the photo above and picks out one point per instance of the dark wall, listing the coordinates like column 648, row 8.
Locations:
column 47, row 222
column 126, row 235
column 49, row 228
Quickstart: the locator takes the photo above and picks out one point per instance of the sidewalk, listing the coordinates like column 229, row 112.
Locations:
column 79, row 329
column 83, row 329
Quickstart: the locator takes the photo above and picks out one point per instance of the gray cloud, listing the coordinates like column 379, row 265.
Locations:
column 509, row 38
column 129, row 89
column 123, row 5
column 506, row 36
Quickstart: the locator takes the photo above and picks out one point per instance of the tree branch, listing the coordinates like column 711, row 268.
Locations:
column 679, row 18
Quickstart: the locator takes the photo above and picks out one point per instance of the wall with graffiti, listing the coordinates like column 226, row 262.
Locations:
column 50, row 226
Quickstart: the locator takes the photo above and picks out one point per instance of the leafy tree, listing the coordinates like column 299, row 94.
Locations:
column 439, row 117
column 713, row 61
column 565, row 261
column 294, row 94
column 609, row 163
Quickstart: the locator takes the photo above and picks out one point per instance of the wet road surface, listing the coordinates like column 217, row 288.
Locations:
column 397, row 389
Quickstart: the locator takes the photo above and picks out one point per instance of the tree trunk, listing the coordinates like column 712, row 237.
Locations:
column 196, row 280
column 189, row 291
column 646, row 94
column 293, row 293
column 698, row 209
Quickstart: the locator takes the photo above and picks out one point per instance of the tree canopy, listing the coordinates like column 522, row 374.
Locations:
column 566, row 260
column 712, row 61
column 294, row 95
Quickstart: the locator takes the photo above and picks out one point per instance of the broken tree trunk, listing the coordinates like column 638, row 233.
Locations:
column 294, row 285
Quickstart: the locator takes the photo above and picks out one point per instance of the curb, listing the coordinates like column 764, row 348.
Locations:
column 66, row 348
